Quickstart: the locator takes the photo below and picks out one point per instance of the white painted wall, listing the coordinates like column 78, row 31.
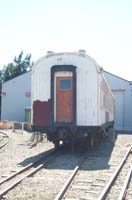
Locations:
column 88, row 73
column 122, row 90
column 15, row 101
column 107, row 101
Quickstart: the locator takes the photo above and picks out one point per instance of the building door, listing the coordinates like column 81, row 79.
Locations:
column 64, row 99
column 119, row 109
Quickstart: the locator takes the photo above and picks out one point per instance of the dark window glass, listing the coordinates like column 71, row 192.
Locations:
column 65, row 84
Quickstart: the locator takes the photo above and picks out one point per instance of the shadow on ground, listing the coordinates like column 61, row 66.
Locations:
column 97, row 157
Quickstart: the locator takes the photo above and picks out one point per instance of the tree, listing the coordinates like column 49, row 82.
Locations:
column 17, row 67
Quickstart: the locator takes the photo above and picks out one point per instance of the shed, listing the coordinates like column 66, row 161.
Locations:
column 16, row 96
column 122, row 91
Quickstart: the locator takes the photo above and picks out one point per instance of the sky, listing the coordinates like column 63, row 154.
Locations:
column 102, row 27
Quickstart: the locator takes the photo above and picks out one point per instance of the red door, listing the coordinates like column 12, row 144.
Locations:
column 64, row 99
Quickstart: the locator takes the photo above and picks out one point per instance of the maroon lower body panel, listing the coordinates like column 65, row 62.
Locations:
column 41, row 113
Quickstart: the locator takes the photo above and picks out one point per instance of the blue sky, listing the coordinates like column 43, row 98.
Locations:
column 102, row 27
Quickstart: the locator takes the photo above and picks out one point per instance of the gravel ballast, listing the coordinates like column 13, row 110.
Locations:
column 19, row 152
column 46, row 183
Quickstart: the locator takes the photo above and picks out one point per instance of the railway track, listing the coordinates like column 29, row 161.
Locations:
column 85, row 178
column 128, row 191
column 44, row 174
column 14, row 179
column 117, row 187
column 111, row 182
column 4, row 139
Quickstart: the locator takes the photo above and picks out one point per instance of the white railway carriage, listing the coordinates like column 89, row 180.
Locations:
column 71, row 100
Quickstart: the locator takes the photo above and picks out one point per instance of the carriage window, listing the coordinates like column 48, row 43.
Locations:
column 65, row 84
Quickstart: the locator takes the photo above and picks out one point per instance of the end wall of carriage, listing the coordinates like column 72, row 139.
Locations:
column 93, row 96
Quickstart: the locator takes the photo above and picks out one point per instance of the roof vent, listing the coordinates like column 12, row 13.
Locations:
column 82, row 51
column 50, row 53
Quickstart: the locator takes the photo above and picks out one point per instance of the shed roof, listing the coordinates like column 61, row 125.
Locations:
column 117, row 76
column 16, row 77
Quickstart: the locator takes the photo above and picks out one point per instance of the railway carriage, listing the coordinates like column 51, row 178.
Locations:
column 71, row 100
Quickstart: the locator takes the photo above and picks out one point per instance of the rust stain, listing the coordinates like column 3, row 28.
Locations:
column 41, row 113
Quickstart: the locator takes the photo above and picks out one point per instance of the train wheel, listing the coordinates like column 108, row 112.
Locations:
column 56, row 143
column 112, row 135
column 92, row 141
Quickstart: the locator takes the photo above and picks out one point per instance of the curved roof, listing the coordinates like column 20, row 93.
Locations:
column 80, row 53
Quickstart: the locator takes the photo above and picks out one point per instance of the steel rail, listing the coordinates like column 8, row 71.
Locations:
column 109, row 184
column 124, row 189
column 7, row 136
column 51, row 153
column 26, row 167
column 70, row 179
